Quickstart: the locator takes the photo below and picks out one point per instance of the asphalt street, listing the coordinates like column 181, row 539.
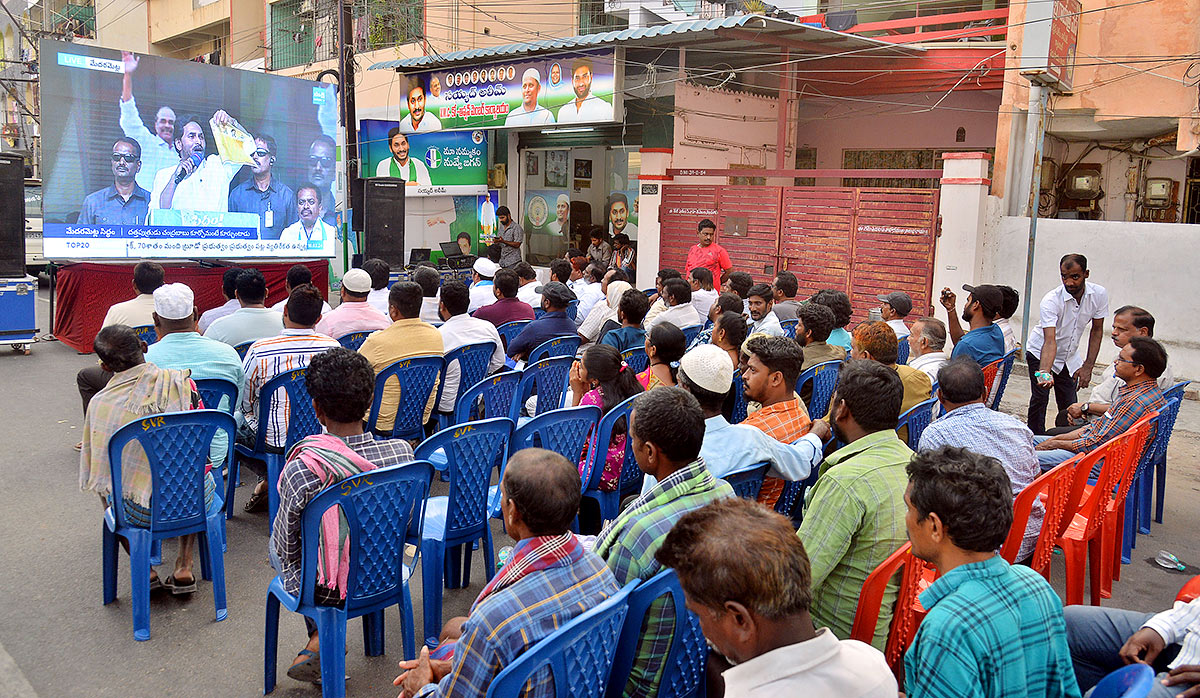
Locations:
column 57, row 639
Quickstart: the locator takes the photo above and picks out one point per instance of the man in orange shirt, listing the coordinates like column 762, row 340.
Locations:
column 770, row 378
column 707, row 253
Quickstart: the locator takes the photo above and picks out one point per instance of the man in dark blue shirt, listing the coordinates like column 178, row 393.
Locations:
column 124, row 202
column 555, row 323
column 273, row 201
column 985, row 341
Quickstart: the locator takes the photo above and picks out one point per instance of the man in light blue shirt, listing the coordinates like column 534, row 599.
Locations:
column 707, row 373
column 253, row 321
column 179, row 346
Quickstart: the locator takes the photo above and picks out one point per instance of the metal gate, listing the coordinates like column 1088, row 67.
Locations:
column 864, row 241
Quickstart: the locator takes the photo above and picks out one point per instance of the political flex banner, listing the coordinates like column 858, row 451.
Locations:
column 433, row 164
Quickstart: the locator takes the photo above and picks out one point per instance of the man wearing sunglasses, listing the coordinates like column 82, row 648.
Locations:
column 263, row 194
column 322, row 167
column 123, row 202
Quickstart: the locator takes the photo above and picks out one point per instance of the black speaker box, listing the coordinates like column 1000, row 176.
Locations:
column 12, row 216
column 383, row 224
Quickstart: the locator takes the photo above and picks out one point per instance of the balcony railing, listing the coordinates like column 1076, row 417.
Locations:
column 977, row 25
column 305, row 31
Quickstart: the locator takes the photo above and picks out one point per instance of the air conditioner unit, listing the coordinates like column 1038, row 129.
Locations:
column 1083, row 185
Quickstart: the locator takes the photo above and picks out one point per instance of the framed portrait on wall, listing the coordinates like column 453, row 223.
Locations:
column 556, row 168
column 531, row 162
column 583, row 169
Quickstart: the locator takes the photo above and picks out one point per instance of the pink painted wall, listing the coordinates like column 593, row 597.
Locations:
column 721, row 129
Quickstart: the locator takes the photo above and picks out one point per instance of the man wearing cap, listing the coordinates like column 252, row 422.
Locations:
column 985, row 341
column 561, row 225
column 483, row 271
column 896, row 305
column 507, row 307
column 510, row 236
column 530, row 113
column 554, row 323
column 354, row 314
column 180, row 346
column 707, row 373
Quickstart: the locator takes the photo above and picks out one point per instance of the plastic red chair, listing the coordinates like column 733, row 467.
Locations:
column 989, row 379
column 916, row 576
column 1084, row 536
column 1190, row 590
column 1054, row 490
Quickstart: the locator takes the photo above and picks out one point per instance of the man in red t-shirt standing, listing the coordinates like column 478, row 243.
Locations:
column 708, row 254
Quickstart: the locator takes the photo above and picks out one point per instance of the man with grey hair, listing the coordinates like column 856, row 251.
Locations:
column 927, row 346
column 158, row 147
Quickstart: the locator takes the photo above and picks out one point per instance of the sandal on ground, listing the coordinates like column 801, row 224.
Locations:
column 178, row 588
column 79, row 446
column 155, row 583
column 257, row 502
column 308, row 670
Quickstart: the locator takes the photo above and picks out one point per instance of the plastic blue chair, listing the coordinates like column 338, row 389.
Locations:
column 177, row 446
column 566, row 431
column 566, row 345
column 824, row 378
column 473, row 452
column 650, row 291
column 791, row 500
column 538, row 313
column 789, row 327
column 1133, row 681
column 573, row 309
column 1160, row 454
column 579, row 655
column 146, row 333
column 217, row 394
column 740, row 408
column 636, row 359
column 473, row 361
column 491, row 397
column 1002, row 380
column 354, row 340
column 383, row 510
column 1137, row 503
column 684, row 661
column 549, row 377
column 689, row 333
column 242, row 348
column 302, row 422
column 597, row 456
column 509, row 330
column 916, row 419
column 419, row 377
column 747, row 483
column 902, row 350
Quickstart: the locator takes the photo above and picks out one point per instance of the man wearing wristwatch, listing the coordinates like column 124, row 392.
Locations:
column 1129, row 321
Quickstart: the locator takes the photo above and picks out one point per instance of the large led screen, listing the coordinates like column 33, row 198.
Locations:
column 144, row 156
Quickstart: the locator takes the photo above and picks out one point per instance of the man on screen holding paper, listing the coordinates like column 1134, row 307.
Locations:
column 400, row 164
column 196, row 182
column 123, row 203
column 310, row 230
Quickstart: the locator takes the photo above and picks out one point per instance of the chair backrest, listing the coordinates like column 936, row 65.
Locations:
column 242, row 348
column 649, row 291
column 789, row 327
column 1176, row 390
column 566, row 345
column 1114, row 466
column 573, row 309
column 1133, row 681
column 384, row 510
column 902, row 350
column 146, row 333
column 683, row 661
column 1000, row 383
column 1190, row 590
column 990, row 374
column 354, row 340
column 636, row 359
column 566, row 431
column 473, row 451
column 689, row 333
column 419, row 377
column 1137, row 453
column 907, row 616
column 509, row 330
column 597, row 453
column 473, row 361
column 824, row 378
column 791, row 499
column 579, row 655
column 916, row 419
column 1164, row 426
column 740, row 409
column 177, row 448
column 496, row 392
column 549, row 376
column 302, row 419
column 1055, row 484
column 538, row 313
column 747, row 483
column 212, row 390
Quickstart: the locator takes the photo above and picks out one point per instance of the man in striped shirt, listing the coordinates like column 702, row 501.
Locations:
column 271, row 357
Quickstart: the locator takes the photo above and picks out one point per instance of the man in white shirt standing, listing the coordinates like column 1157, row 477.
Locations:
column 1012, row 299
column 530, row 113
column 400, row 165
column 746, row 573
column 586, row 106
column 927, row 346
column 158, row 148
column 458, row 330
column 894, row 308
column 1066, row 313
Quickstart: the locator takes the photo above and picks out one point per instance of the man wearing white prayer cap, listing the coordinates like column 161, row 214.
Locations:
column 562, row 212
column 530, row 113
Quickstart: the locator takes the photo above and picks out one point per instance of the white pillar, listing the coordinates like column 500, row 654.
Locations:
column 958, row 258
column 651, row 178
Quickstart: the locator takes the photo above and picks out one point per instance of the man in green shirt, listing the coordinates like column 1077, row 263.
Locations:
column 854, row 517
